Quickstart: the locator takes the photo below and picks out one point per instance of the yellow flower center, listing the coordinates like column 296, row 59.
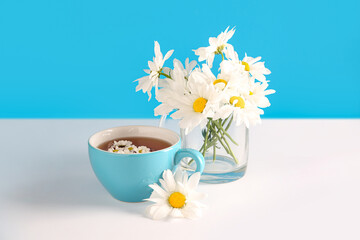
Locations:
column 220, row 81
column 240, row 101
column 177, row 200
column 115, row 150
column 199, row 104
column 251, row 93
column 247, row 67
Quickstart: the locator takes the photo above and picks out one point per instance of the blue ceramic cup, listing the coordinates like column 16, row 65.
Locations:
column 127, row 176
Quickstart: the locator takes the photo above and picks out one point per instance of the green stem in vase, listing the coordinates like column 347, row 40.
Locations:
column 226, row 128
column 231, row 152
column 220, row 139
column 227, row 147
column 203, row 147
column 221, row 122
column 219, row 126
column 217, row 132
column 229, row 124
column 206, row 137
column 213, row 141
column 214, row 151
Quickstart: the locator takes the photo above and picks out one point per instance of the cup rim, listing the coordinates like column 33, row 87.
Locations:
column 137, row 154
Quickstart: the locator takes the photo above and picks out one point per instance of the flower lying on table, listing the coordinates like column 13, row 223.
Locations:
column 177, row 196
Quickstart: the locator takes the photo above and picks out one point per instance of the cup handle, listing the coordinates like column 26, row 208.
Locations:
column 188, row 152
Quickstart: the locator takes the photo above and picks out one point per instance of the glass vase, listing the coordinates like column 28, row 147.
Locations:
column 225, row 148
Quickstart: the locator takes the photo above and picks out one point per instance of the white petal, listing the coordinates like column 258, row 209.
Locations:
column 168, row 54
column 164, row 185
column 151, row 209
column 213, row 41
column 143, row 83
column 177, row 64
column 169, row 179
column 191, row 65
column 194, row 180
column 181, row 188
column 160, row 212
column 187, row 62
column 157, row 50
column 162, row 109
column 178, row 176
column 149, row 93
column 207, row 71
column 156, row 200
column 159, row 190
column 229, row 34
column 263, row 102
column 270, row 91
column 175, row 212
column 155, row 195
column 152, row 66
column 259, row 77
column 202, row 53
column 185, row 178
column 210, row 59
column 191, row 212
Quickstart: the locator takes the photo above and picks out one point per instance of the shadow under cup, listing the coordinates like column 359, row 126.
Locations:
column 127, row 176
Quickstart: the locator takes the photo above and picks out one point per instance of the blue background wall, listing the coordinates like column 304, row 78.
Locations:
column 78, row 58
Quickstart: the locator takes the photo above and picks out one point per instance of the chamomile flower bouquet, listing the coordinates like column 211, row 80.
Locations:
column 215, row 106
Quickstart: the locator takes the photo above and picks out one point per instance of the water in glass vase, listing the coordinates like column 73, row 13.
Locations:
column 225, row 148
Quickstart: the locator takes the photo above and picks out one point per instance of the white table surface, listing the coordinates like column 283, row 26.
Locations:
column 303, row 182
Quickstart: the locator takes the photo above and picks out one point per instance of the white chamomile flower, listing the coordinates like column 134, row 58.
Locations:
column 243, row 111
column 217, row 46
column 116, row 150
column 248, row 64
column 143, row 149
column 130, row 149
column 122, row 143
column 156, row 66
column 177, row 197
column 258, row 92
column 255, row 68
column 195, row 107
